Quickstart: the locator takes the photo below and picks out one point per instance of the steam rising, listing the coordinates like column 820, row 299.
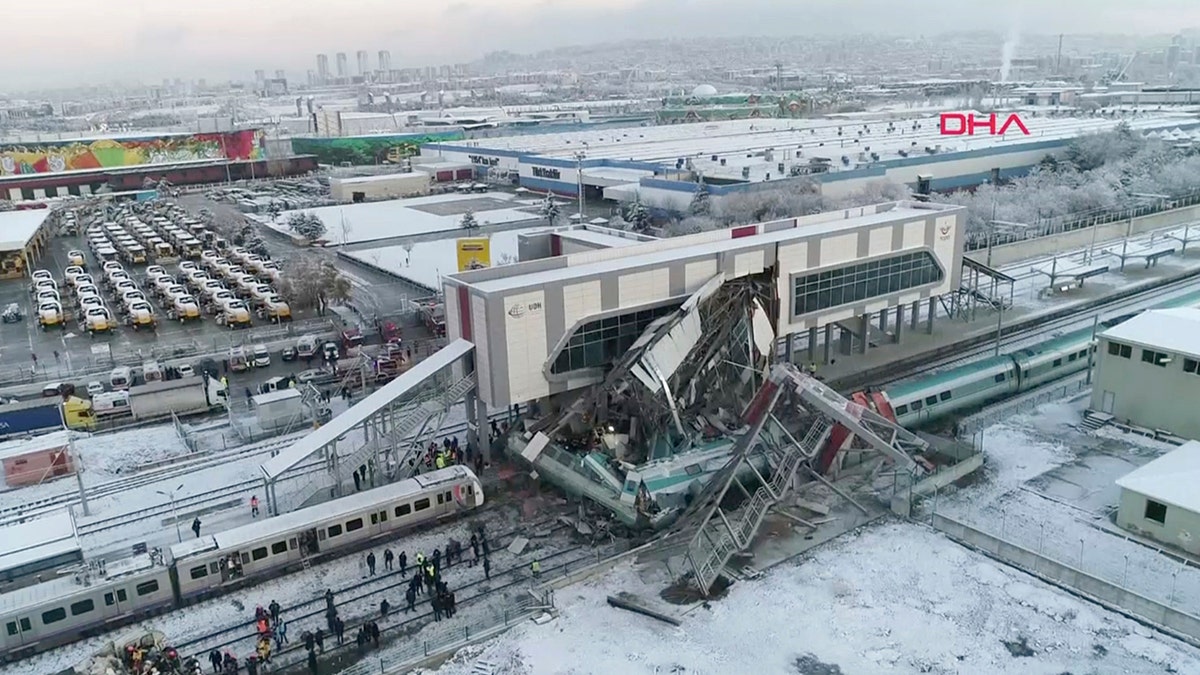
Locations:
column 1010, row 48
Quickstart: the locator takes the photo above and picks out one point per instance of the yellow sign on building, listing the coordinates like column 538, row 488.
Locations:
column 474, row 253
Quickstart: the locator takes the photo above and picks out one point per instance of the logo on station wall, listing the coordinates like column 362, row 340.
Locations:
column 944, row 231
column 519, row 310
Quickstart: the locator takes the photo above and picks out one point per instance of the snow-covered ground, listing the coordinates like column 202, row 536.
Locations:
column 352, row 223
column 895, row 598
column 898, row 597
column 426, row 262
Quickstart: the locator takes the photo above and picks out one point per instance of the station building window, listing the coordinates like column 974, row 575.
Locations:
column 863, row 281
column 1156, row 511
column 598, row 343
column 1118, row 349
column 1157, row 358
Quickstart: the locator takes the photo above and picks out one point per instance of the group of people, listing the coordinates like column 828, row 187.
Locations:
column 270, row 627
column 148, row 661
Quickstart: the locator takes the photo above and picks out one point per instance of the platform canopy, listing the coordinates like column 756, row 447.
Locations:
column 17, row 228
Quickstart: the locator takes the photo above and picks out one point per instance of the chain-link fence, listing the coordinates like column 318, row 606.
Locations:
column 977, row 423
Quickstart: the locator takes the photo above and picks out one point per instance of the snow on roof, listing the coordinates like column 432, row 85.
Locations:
column 50, row 441
column 820, row 137
column 678, row 248
column 34, row 540
column 426, row 262
column 1170, row 479
column 382, row 178
column 357, row 414
column 598, row 238
column 62, row 587
column 277, row 395
column 235, row 539
column 1175, row 330
column 353, row 223
column 18, row 227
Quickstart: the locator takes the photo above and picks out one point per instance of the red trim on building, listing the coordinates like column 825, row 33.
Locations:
column 464, row 312
column 555, row 245
column 743, row 231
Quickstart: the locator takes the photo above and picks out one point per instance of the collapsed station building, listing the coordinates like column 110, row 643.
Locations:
column 660, row 373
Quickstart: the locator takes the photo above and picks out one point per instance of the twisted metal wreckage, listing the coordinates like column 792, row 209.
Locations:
column 663, row 435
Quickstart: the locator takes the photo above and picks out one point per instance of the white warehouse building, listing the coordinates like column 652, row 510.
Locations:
column 1160, row 500
column 550, row 326
column 1148, row 371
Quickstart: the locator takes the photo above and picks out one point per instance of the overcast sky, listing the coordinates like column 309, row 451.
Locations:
column 55, row 42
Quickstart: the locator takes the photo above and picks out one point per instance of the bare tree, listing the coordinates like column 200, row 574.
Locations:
column 313, row 283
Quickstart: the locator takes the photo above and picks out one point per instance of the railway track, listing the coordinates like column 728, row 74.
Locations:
column 187, row 465
column 359, row 601
column 1026, row 335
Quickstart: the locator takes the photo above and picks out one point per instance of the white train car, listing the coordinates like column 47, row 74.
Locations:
column 56, row 612
column 211, row 564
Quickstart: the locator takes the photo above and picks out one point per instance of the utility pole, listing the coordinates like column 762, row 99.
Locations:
column 579, row 184
column 1058, row 59
column 1092, row 349
column 174, row 515
column 999, row 326
column 78, row 473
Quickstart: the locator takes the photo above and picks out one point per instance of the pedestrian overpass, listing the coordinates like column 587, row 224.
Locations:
column 381, row 433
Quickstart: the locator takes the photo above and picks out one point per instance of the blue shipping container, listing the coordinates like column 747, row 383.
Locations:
column 19, row 419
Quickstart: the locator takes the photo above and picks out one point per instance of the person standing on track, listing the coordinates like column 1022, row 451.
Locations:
column 403, row 564
column 388, row 557
column 253, row 506
column 196, row 526
column 371, row 562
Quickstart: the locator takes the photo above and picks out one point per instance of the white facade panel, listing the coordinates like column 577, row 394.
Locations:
column 483, row 360
column 14, row 194
column 751, row 262
column 525, row 333
column 641, row 288
column 696, row 274
column 914, row 234
column 944, row 242
column 480, row 158
column 39, row 193
column 839, row 249
column 879, row 242
column 580, row 301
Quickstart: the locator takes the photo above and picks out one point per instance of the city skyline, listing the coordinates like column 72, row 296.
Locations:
column 163, row 42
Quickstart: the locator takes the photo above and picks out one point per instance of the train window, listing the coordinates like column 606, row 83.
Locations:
column 214, row 567
column 470, row 489
column 901, row 410
column 383, row 516
column 122, row 596
column 374, row 518
column 999, row 377
column 449, row 496
column 945, row 396
column 82, row 607
column 1190, row 365
column 439, row 497
column 354, row 525
column 1057, row 363
column 930, row 400
column 108, row 600
column 1072, row 356
column 147, row 587
column 421, row 504
column 279, row 548
column 53, row 616
column 198, row 572
column 26, row 625
column 403, row 510
column 11, row 626
column 258, row 553
column 335, row 530
column 292, row 543
column 917, row 405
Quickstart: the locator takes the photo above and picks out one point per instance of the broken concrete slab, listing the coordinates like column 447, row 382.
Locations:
column 819, row 509
column 632, row 606
column 518, row 545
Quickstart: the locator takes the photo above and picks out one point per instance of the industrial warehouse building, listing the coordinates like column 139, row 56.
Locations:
column 1148, row 371
column 550, row 326
column 1160, row 500
column 661, row 165
column 373, row 188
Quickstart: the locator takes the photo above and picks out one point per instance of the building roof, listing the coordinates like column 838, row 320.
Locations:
column 34, row 540
column 1170, row 479
column 678, row 248
column 18, row 227
column 1175, row 330
column 733, row 140
column 382, row 178
column 54, row 440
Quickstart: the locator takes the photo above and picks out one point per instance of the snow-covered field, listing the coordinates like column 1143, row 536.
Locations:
column 895, row 598
column 426, row 262
column 352, row 223
column 898, row 597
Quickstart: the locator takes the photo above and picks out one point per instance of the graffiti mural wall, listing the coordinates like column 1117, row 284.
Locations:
column 104, row 153
column 363, row 150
